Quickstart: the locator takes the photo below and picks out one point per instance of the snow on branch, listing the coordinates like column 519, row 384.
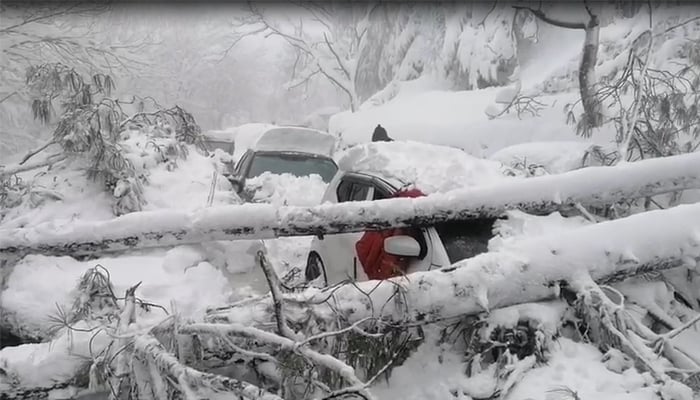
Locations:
column 530, row 270
column 552, row 21
column 325, row 360
column 150, row 347
column 594, row 186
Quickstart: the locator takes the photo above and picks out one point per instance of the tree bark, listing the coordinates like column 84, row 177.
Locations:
column 593, row 116
column 593, row 186
column 586, row 75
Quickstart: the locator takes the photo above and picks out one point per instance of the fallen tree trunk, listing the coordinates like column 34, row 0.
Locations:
column 590, row 186
column 529, row 270
column 16, row 169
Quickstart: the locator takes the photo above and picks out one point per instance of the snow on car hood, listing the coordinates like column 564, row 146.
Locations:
column 430, row 168
column 286, row 189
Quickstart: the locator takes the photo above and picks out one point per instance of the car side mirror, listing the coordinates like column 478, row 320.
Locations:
column 402, row 245
column 236, row 182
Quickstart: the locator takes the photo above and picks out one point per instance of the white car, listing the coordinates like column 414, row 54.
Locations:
column 377, row 171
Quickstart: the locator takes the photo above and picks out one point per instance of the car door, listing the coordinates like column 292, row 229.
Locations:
column 339, row 255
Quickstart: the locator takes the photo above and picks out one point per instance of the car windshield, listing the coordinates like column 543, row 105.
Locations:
column 295, row 164
column 465, row 239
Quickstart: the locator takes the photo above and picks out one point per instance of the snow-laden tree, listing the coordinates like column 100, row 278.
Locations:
column 327, row 38
column 457, row 46
column 61, row 33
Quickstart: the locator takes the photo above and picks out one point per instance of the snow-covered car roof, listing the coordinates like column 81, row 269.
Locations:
column 430, row 168
column 224, row 135
column 296, row 139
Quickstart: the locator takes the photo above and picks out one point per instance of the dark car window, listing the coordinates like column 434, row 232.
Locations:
column 351, row 190
column 465, row 239
column 295, row 164
column 379, row 194
column 343, row 191
column 359, row 192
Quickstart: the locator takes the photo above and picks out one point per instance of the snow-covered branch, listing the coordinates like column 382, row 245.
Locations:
column 16, row 169
column 324, row 360
column 592, row 117
column 529, row 270
column 595, row 186
column 151, row 348
column 552, row 21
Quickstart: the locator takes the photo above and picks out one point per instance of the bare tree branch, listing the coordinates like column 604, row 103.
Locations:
column 36, row 151
column 669, row 29
column 341, row 63
column 278, row 303
column 562, row 24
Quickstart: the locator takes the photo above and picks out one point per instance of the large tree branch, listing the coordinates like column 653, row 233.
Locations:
column 542, row 16
column 38, row 18
column 596, row 186
column 16, row 169
column 529, row 270
column 36, row 151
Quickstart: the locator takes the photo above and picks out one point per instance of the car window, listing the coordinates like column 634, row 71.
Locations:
column 465, row 239
column 379, row 194
column 359, row 192
column 352, row 190
column 295, row 164
column 343, row 191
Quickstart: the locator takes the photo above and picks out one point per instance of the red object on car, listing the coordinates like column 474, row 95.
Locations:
column 377, row 263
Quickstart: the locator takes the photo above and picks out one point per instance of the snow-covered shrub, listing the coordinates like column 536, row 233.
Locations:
column 94, row 128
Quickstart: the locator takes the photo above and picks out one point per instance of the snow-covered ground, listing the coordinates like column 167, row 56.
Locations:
column 458, row 119
column 194, row 277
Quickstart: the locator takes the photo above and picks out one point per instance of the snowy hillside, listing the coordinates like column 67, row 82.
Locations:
column 131, row 269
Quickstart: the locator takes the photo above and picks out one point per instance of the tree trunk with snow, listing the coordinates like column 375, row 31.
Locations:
column 592, row 116
column 596, row 186
column 529, row 270
column 586, row 75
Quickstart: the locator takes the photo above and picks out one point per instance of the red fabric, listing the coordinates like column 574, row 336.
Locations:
column 376, row 263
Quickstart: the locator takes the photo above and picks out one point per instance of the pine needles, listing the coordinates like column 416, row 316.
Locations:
column 92, row 126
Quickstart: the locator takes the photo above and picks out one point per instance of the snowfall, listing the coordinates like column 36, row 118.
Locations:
column 446, row 141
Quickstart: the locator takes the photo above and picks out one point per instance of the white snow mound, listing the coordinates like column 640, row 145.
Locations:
column 430, row 168
column 287, row 189
column 554, row 157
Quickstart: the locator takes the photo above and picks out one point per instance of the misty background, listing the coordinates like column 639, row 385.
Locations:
column 229, row 64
